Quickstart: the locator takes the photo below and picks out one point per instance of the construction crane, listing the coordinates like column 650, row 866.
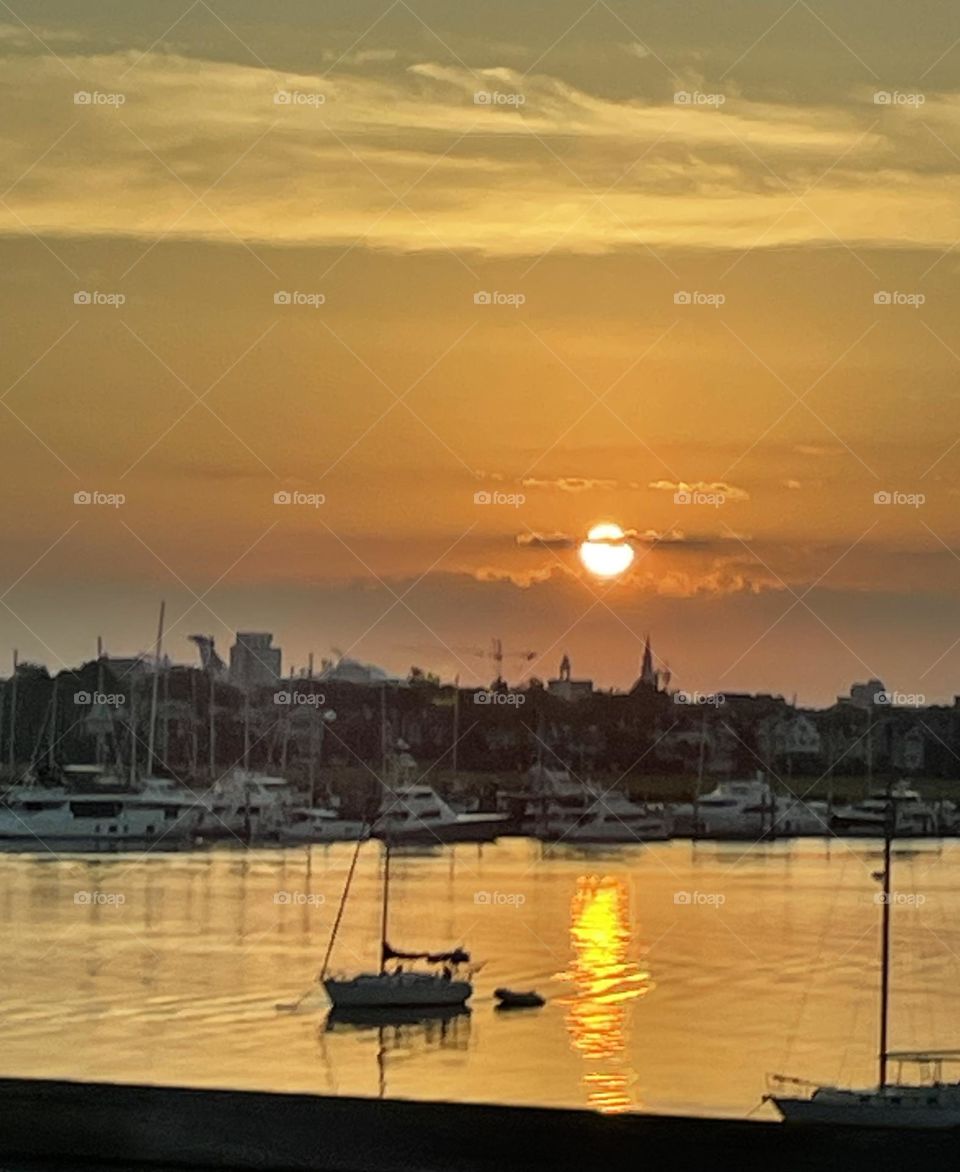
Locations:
column 494, row 652
column 497, row 654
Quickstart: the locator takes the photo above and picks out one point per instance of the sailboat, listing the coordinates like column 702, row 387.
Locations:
column 396, row 985
column 892, row 1102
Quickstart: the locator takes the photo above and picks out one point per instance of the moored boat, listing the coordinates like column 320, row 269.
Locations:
column 555, row 807
column 511, row 999
column 439, row 982
column 912, row 815
column 91, row 809
column 892, row 1102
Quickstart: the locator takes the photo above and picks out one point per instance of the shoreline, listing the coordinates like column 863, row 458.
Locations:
column 277, row 1130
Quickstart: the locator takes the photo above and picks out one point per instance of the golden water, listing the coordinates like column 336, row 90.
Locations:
column 168, row 969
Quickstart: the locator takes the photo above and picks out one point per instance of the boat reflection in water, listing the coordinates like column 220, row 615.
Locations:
column 436, row 1024
column 605, row 983
column 404, row 1031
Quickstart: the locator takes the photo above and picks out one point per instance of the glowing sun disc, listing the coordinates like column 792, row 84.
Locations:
column 605, row 553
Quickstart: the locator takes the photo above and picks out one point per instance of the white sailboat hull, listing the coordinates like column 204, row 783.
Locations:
column 396, row 990
column 895, row 1106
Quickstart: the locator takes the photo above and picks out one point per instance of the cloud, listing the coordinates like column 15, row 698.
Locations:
column 546, row 540
column 817, row 449
column 570, row 483
column 521, row 578
column 361, row 57
column 730, row 491
column 362, row 138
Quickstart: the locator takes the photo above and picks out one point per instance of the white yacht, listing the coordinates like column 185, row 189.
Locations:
column 556, row 807
column 246, row 805
column 750, row 809
column 734, row 809
column 913, row 816
column 319, row 824
column 415, row 813
column 410, row 813
column 93, row 810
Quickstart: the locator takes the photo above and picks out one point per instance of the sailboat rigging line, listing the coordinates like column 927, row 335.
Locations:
column 386, row 901
column 361, row 838
column 805, row 995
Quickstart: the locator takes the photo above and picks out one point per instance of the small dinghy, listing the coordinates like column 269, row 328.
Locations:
column 511, row 1000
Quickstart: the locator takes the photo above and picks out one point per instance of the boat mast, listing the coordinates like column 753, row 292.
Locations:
column 133, row 736
column 700, row 763
column 152, row 735
column 885, row 939
column 100, row 751
column 212, row 724
column 386, row 840
column 456, row 723
column 52, row 741
column 13, row 717
column 246, row 726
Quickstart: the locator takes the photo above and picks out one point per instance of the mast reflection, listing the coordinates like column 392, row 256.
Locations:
column 605, row 982
column 403, row 1032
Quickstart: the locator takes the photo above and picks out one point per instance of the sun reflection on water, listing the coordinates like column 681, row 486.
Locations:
column 605, row 982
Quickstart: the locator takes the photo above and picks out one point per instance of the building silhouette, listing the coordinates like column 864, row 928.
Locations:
column 254, row 661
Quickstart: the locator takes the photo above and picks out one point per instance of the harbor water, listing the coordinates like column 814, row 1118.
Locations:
column 677, row 974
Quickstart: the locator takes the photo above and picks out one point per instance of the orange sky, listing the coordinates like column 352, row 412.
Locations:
column 782, row 196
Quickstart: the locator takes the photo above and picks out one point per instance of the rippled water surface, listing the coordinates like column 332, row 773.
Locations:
column 677, row 974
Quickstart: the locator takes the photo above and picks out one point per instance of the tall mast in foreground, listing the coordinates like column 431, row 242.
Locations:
column 885, row 939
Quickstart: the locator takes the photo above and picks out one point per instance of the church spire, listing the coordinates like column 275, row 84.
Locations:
column 648, row 673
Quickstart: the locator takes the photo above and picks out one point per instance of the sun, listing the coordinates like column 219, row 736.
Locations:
column 606, row 553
